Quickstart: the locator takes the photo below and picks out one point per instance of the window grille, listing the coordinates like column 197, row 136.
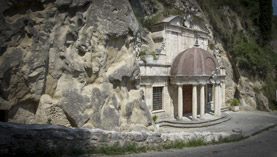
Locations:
column 210, row 92
column 157, row 98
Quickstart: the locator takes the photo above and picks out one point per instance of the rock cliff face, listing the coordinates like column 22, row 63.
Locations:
column 73, row 62
column 70, row 62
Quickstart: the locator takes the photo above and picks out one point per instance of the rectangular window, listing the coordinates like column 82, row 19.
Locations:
column 157, row 98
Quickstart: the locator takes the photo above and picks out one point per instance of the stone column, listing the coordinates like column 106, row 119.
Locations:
column 223, row 94
column 213, row 97
column 219, row 99
column 148, row 96
column 223, row 87
column 166, row 101
column 202, row 102
column 194, row 102
column 180, row 101
column 216, row 103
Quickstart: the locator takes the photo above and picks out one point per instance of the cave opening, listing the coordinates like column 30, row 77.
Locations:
column 3, row 115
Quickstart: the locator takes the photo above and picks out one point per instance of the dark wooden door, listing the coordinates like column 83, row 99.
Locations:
column 187, row 99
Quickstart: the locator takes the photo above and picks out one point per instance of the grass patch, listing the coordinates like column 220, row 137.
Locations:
column 176, row 144
column 117, row 150
column 179, row 144
column 265, row 129
column 196, row 142
column 145, row 52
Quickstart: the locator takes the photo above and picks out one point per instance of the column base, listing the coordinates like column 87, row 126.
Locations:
column 194, row 119
column 217, row 115
column 202, row 118
column 180, row 118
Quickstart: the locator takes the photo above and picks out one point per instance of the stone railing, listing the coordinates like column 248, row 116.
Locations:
column 25, row 137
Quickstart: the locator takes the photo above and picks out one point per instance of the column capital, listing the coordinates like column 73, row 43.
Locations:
column 179, row 84
column 217, row 83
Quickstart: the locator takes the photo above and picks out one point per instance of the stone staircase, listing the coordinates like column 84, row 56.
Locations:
column 194, row 124
column 224, row 109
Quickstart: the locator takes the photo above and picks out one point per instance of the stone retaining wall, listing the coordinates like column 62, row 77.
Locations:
column 14, row 137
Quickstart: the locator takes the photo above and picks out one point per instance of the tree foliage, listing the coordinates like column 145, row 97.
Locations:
column 265, row 20
column 249, row 48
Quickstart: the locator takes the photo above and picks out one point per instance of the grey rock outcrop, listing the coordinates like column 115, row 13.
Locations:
column 247, row 94
column 49, row 112
column 262, row 102
column 71, row 63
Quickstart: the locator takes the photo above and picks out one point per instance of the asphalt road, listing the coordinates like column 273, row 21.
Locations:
column 261, row 145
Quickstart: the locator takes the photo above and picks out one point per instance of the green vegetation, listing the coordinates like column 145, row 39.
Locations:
column 179, row 144
column 249, row 47
column 250, row 56
column 265, row 129
column 274, row 27
column 257, row 90
column 166, row 12
column 234, row 102
column 143, row 53
column 49, row 121
column 116, row 150
column 265, row 20
column 269, row 91
column 155, row 117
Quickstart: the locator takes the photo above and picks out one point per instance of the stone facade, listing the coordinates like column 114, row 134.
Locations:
column 171, row 37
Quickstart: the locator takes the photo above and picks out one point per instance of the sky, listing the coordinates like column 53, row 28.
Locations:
column 274, row 4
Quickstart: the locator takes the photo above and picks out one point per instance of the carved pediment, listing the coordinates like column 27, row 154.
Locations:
column 187, row 21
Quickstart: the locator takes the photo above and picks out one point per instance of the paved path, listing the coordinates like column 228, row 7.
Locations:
column 247, row 122
column 261, row 145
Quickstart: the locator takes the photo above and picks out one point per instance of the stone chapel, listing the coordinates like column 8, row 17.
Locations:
column 185, row 80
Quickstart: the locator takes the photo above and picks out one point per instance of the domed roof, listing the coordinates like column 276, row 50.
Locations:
column 194, row 61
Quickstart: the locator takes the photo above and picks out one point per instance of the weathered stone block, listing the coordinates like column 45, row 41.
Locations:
column 74, row 104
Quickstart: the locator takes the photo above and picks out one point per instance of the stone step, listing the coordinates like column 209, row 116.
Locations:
column 225, row 109
column 194, row 124
column 199, row 121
